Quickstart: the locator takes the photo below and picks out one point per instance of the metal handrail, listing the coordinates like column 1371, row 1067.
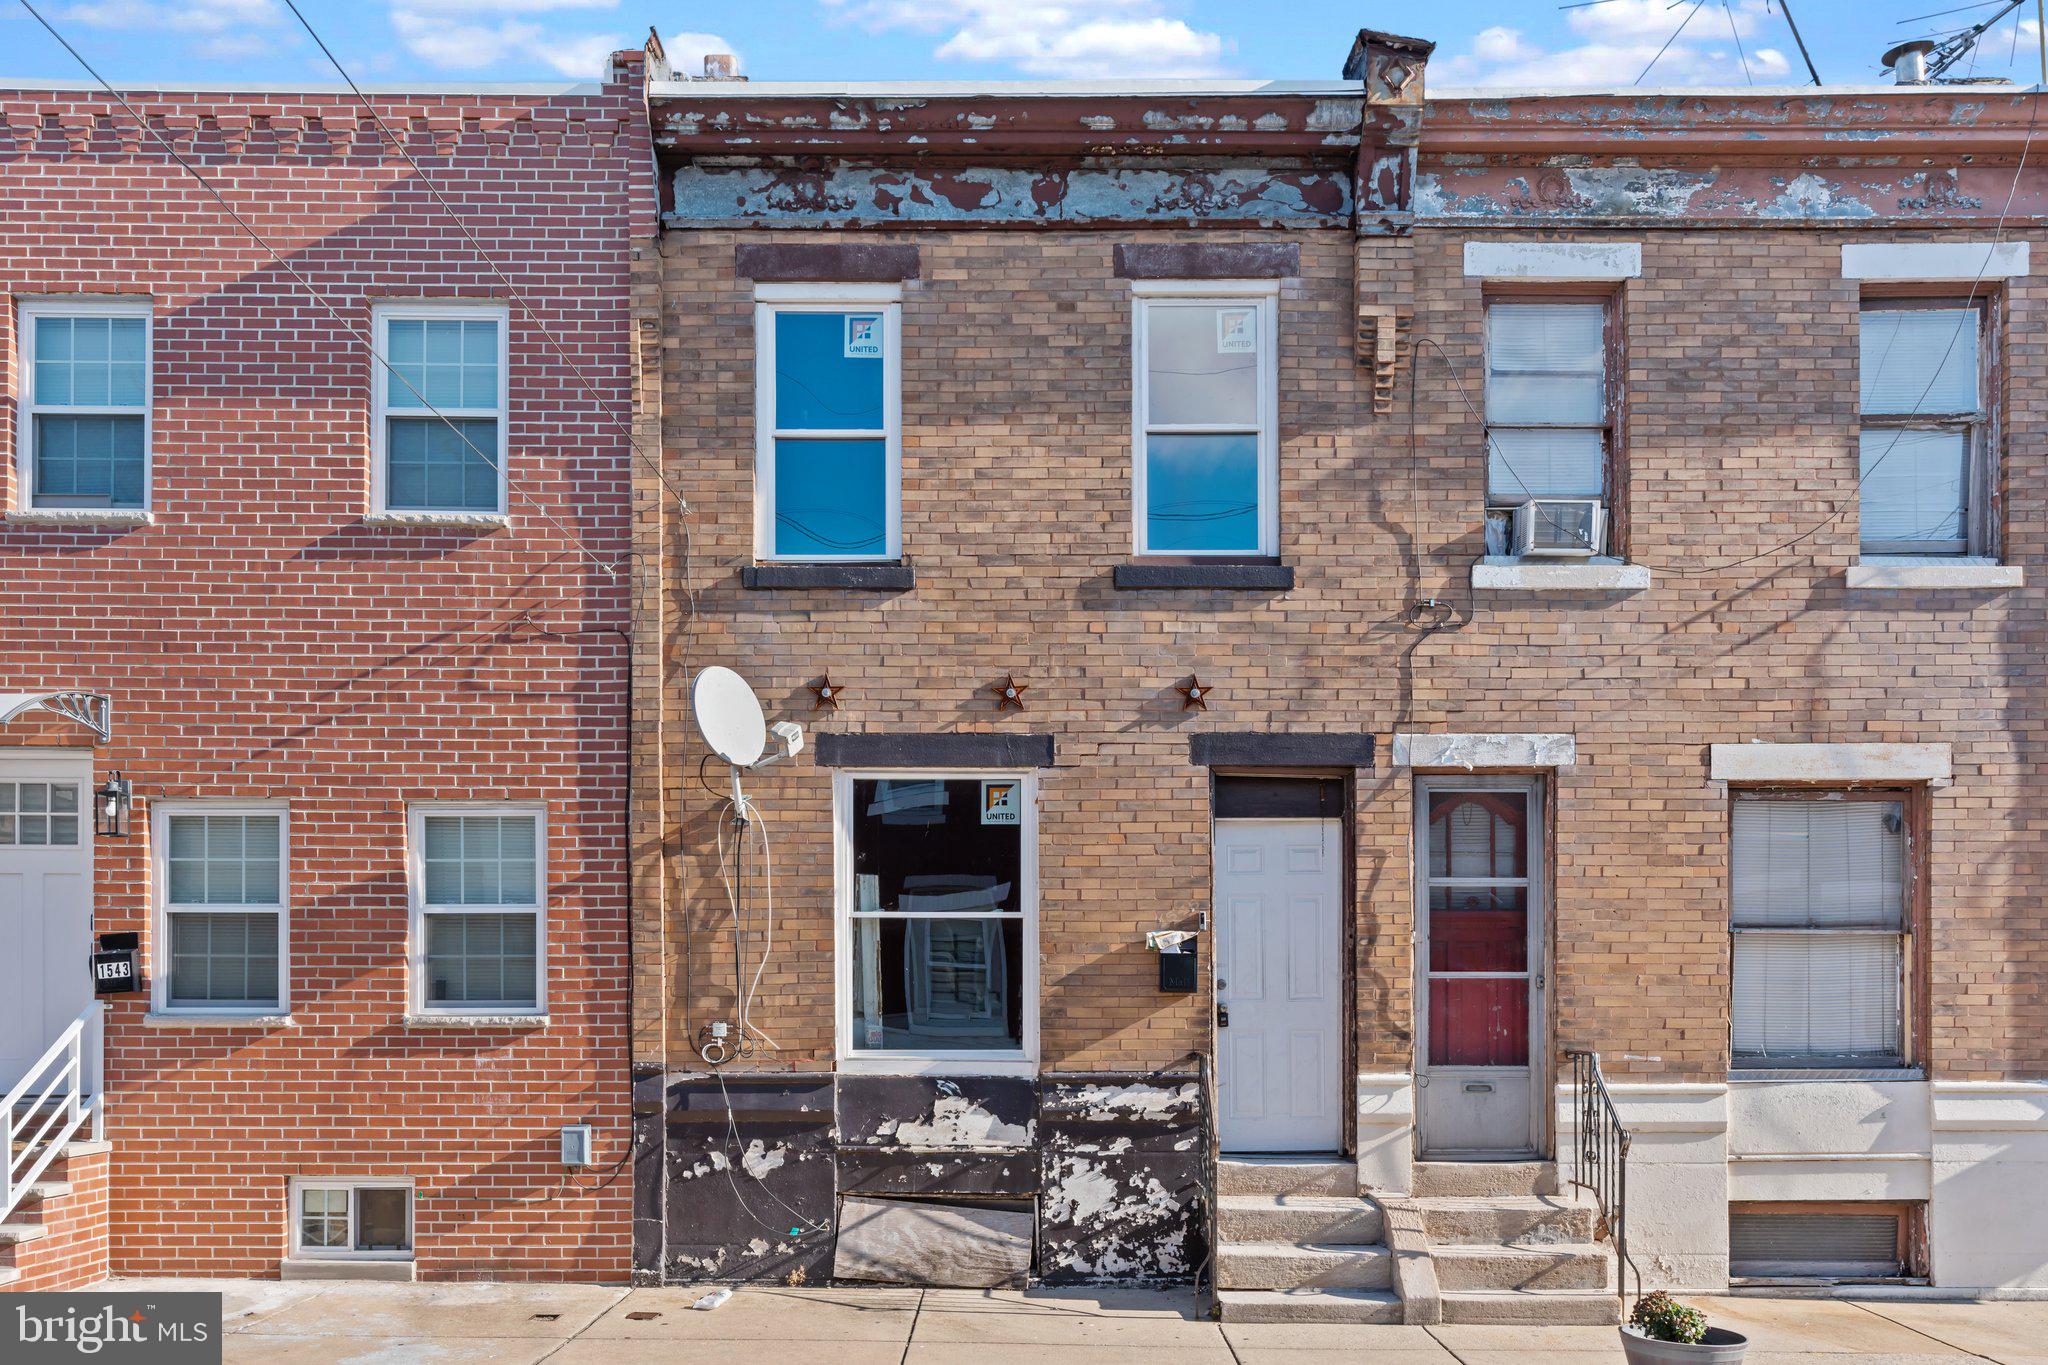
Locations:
column 1211, row 1158
column 1600, row 1143
column 56, row 1111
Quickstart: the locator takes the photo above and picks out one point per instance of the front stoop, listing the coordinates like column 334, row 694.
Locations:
column 56, row 1237
column 1507, row 1248
column 1298, row 1244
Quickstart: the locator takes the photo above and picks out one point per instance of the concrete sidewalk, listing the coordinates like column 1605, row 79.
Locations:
column 456, row 1324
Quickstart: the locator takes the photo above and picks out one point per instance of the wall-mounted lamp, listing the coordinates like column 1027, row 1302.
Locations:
column 110, row 806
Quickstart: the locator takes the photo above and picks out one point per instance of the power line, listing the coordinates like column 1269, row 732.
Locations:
column 285, row 265
column 1689, row 16
column 1785, row 8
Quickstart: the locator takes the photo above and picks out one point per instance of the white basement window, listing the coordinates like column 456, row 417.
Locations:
column 479, row 911
column 85, row 406
column 221, row 921
column 828, row 413
column 1204, row 434
column 441, row 401
column 352, row 1219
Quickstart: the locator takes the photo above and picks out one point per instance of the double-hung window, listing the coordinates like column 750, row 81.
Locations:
column 221, row 870
column 85, row 422
column 1205, row 395
column 1549, row 417
column 1821, row 885
column 1924, row 482
column 352, row 1219
column 479, row 909
column 938, row 940
column 441, row 409
column 827, row 413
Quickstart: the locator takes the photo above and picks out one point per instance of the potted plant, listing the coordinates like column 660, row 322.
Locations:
column 1663, row 1331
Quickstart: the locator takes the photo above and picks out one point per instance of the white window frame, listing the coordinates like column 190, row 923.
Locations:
column 301, row 1183
column 771, row 299
column 418, row 909
column 982, row 1062
column 1263, row 297
column 381, row 379
column 160, row 813
column 27, row 409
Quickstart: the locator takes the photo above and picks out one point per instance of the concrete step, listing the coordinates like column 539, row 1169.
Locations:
column 1287, row 1265
column 8, row 1274
column 1532, row 1307
column 1528, row 1218
column 1286, row 1175
column 1548, row 1266
column 1484, row 1179
column 1297, row 1218
column 1309, row 1305
column 14, row 1234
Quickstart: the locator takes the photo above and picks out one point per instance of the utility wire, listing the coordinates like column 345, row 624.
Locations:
column 1690, row 14
column 1733, row 32
column 1785, row 8
column 284, row 264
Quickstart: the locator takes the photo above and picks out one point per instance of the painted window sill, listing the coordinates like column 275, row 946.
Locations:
column 199, row 1019
column 1823, row 1074
column 1906, row 572
column 859, row 1065
column 338, row 1268
column 82, row 516
column 856, row 577
column 436, row 1020
column 1142, row 576
column 459, row 521
column 1531, row 575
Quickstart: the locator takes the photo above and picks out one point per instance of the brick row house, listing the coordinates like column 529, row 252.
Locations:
column 1315, row 609
column 315, row 661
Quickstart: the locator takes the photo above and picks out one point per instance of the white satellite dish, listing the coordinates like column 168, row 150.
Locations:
column 729, row 717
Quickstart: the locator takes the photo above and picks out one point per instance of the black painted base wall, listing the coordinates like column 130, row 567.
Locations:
column 738, row 1178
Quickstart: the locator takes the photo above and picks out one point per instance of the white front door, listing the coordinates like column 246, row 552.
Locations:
column 1479, row 892
column 45, row 905
column 1279, row 984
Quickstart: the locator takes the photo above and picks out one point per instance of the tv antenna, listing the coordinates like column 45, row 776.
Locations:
column 1924, row 61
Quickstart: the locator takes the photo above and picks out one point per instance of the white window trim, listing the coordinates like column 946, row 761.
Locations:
column 380, row 386
column 770, row 299
column 301, row 1183
column 1914, row 262
column 26, row 408
column 1263, row 296
column 1561, row 262
column 1020, row 1062
column 160, row 1006
column 417, row 1004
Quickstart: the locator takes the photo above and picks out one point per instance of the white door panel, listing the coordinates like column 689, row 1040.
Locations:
column 1280, row 976
column 45, row 907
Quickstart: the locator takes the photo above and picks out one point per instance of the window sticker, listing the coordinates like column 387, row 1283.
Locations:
column 863, row 336
column 1002, row 802
column 1237, row 331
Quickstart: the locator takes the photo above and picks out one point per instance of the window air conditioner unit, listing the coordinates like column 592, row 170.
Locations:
column 1560, row 528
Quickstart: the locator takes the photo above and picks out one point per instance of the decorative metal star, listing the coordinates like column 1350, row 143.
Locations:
column 1194, row 694
column 1010, row 693
column 825, row 694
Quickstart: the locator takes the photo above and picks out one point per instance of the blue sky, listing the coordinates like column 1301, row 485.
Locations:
column 1520, row 42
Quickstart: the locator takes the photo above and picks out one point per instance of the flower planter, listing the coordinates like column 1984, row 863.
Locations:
column 1722, row 1347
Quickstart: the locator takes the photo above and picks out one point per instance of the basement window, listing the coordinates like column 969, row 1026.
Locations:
column 1823, row 1242
column 352, row 1219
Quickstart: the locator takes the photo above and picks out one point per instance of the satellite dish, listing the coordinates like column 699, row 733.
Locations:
column 729, row 716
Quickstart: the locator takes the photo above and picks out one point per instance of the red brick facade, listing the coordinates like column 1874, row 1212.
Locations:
column 261, row 639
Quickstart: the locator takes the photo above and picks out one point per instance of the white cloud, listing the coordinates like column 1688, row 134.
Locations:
column 1614, row 41
column 1061, row 38
column 219, row 29
column 476, row 35
column 687, row 51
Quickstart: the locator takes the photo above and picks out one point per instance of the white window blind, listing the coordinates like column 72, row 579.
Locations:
column 1819, row 913
column 1921, row 438
column 1919, row 360
column 1546, row 401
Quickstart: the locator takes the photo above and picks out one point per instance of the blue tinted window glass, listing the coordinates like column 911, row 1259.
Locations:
column 1202, row 492
column 441, row 466
column 828, row 371
column 91, row 362
column 88, row 461
column 442, row 363
column 831, row 498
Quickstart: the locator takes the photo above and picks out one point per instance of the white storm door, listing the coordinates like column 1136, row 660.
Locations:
column 1279, row 984
column 45, row 906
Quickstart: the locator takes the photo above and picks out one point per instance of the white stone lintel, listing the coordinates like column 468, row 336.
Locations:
column 1554, row 260
column 1910, row 572
column 1830, row 763
column 1527, row 575
column 1474, row 752
column 1934, row 261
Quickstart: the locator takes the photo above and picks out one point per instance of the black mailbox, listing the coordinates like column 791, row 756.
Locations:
column 117, row 965
column 1177, row 970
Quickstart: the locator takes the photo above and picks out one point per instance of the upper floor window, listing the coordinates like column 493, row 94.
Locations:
column 1203, row 432
column 441, row 408
column 1549, row 426
column 85, row 393
column 1925, row 469
column 827, row 413
column 479, row 909
column 221, row 930
column 1820, row 893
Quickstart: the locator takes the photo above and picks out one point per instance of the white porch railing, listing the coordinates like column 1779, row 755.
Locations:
column 47, row 1107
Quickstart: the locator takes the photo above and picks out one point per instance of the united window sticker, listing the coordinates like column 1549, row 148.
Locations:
column 1237, row 331
column 863, row 336
column 1002, row 802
